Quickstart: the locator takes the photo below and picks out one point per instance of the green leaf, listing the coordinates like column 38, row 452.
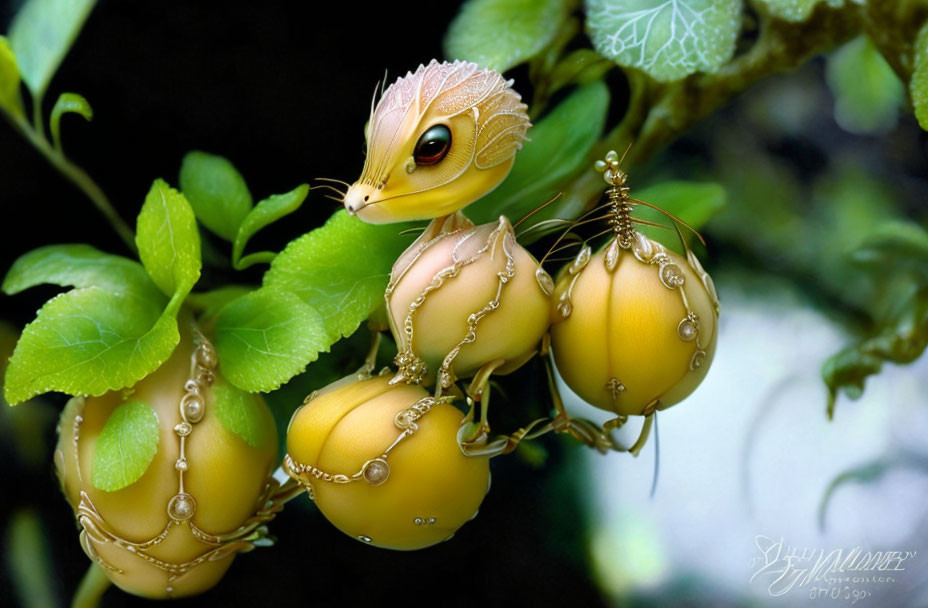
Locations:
column 896, row 244
column 89, row 341
column 868, row 94
column 266, row 337
column 795, row 10
column 41, row 34
column 216, row 191
column 81, row 266
column 667, row 39
column 126, row 446
column 68, row 102
column 29, row 566
column 501, row 34
column 559, row 146
column 693, row 202
column 918, row 85
column 265, row 212
column 902, row 338
column 168, row 241
column 208, row 303
column 340, row 269
column 240, row 413
column 10, row 99
column 582, row 66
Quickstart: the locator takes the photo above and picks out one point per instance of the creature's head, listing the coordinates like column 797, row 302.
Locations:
column 438, row 140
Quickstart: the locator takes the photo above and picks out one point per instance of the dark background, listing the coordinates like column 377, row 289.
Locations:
column 283, row 90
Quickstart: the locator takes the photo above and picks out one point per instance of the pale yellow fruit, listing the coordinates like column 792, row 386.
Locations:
column 227, row 478
column 625, row 344
column 419, row 495
column 465, row 297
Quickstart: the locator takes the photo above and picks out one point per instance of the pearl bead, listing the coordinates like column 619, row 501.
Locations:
column 376, row 471
column 182, row 507
column 193, row 409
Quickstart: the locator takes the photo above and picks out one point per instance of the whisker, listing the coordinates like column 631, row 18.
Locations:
column 411, row 231
column 568, row 246
column 671, row 216
column 337, row 181
column 537, row 209
column 647, row 223
column 575, row 223
column 337, row 200
column 332, row 188
column 627, row 148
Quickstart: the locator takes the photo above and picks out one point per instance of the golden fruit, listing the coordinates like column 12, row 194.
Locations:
column 174, row 531
column 463, row 296
column 635, row 328
column 383, row 465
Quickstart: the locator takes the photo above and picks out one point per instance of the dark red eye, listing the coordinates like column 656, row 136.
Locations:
column 433, row 146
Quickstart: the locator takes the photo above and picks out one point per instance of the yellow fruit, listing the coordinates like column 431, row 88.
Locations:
column 635, row 328
column 383, row 465
column 152, row 538
column 464, row 297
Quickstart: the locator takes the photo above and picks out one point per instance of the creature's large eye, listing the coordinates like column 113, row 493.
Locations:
column 433, row 146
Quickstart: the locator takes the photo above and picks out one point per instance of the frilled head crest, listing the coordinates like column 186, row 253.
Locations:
column 437, row 140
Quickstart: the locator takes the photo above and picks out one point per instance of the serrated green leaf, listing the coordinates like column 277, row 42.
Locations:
column 10, row 99
column 918, row 85
column 126, row 446
column 559, row 147
column 240, row 413
column 216, row 191
column 266, row 337
column 796, row 10
column 68, row 103
column 89, row 341
column 340, row 269
column 168, row 241
column 41, row 34
column 265, row 212
column 868, row 94
column 693, row 202
column 667, row 39
column 501, row 34
column 81, row 266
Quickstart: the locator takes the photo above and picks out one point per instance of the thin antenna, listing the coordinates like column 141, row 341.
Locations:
column 657, row 457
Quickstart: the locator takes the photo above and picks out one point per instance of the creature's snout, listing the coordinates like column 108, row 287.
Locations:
column 358, row 196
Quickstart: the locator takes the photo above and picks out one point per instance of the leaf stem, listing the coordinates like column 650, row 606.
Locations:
column 37, row 115
column 76, row 175
column 90, row 591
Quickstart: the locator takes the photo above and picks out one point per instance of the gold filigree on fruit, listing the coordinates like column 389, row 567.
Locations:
column 635, row 323
column 462, row 296
column 381, row 463
column 175, row 530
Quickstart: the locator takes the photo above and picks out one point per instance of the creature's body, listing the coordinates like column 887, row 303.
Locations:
column 437, row 140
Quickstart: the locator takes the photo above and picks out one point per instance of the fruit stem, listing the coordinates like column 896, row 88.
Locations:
column 79, row 178
column 90, row 591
